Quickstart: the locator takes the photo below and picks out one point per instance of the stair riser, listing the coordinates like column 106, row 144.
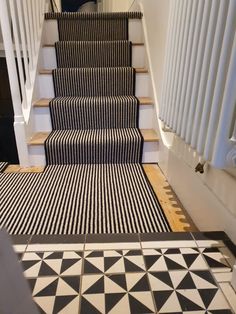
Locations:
column 37, row 154
column 138, row 57
column 51, row 31
column 46, row 89
column 42, row 120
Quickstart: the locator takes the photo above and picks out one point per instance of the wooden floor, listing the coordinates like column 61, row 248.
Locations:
column 177, row 216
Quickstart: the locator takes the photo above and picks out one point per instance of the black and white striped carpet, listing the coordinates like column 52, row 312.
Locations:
column 76, row 54
column 94, row 130
column 79, row 199
column 3, row 165
column 93, row 26
column 94, row 181
column 84, row 82
column 69, row 113
column 102, row 146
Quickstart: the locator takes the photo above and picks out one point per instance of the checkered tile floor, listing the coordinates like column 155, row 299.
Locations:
column 129, row 278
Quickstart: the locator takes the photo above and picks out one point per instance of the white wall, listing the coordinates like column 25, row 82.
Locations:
column 210, row 198
column 117, row 5
column 58, row 4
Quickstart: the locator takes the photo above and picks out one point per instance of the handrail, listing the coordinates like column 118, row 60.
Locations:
column 22, row 44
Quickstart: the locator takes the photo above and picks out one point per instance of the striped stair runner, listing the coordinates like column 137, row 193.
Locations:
column 80, row 54
column 92, row 82
column 3, row 166
column 93, row 26
column 94, row 181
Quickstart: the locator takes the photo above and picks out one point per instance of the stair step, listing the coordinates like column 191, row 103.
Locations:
column 53, row 45
column 39, row 138
column 49, row 71
column 44, row 102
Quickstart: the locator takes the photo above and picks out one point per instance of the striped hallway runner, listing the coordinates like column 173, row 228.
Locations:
column 94, row 181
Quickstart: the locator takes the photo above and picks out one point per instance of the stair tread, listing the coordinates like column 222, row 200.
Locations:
column 49, row 71
column 53, row 45
column 44, row 102
column 39, row 138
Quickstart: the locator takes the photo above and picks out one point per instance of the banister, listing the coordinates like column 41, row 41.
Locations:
column 10, row 56
column 26, row 18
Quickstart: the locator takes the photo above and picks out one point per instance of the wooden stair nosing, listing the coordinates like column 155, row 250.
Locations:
column 49, row 71
column 44, row 102
column 53, row 45
column 39, row 138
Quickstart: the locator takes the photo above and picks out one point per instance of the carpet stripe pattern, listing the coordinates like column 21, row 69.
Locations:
column 101, row 146
column 73, row 113
column 3, row 166
column 94, row 81
column 93, row 26
column 93, row 16
column 80, row 54
column 94, row 29
column 80, row 199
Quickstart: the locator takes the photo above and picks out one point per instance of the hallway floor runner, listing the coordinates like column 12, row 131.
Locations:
column 80, row 199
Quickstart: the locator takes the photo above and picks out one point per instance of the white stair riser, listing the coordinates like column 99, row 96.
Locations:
column 51, row 31
column 50, row 62
column 42, row 120
column 46, row 89
column 37, row 154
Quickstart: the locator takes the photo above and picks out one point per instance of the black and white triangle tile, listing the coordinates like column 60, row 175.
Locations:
column 148, row 280
column 184, row 290
column 113, row 261
column 127, row 292
column 52, row 263
column 54, row 278
column 174, row 259
column 215, row 259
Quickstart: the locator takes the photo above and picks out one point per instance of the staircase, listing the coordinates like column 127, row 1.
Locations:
column 88, row 135
column 42, row 124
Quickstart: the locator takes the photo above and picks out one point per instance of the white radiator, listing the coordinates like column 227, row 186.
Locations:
column 199, row 88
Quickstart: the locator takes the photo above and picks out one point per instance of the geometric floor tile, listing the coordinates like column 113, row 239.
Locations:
column 215, row 260
column 54, row 279
column 186, row 291
column 174, row 259
column 119, row 281
column 133, row 302
column 116, row 261
column 52, row 264
column 105, row 293
column 57, row 294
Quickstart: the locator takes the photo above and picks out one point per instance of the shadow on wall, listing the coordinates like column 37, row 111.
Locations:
column 8, row 151
column 79, row 5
